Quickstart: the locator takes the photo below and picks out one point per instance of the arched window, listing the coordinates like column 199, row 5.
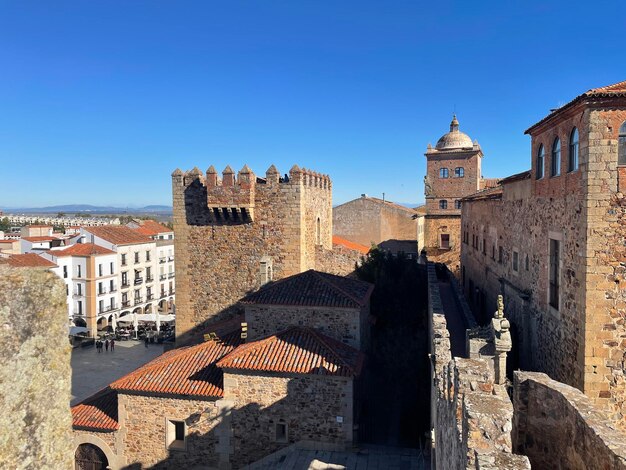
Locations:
column 459, row 172
column 541, row 158
column 443, row 204
column 621, row 147
column 443, row 173
column 573, row 150
column 555, row 162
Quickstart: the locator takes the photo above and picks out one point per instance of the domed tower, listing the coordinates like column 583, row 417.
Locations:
column 453, row 171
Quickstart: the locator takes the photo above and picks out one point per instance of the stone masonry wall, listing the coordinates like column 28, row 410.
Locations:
column 582, row 342
column 544, row 338
column 367, row 220
column 219, row 249
column 309, row 405
column 557, row 426
column 341, row 260
column 471, row 415
column 143, row 424
column 342, row 324
column 605, row 257
column 434, row 226
column 35, row 371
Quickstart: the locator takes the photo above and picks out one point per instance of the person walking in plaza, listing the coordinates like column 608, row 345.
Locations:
column 146, row 341
column 112, row 344
column 106, row 345
column 99, row 346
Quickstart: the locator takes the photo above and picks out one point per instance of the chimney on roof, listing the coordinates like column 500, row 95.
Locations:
column 363, row 195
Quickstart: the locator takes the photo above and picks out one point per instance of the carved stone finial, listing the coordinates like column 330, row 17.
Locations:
column 195, row 172
column 177, row 172
column 500, row 312
column 295, row 169
column 212, row 170
column 272, row 170
column 245, row 169
column 228, row 171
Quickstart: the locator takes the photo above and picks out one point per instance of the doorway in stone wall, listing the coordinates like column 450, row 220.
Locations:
column 90, row 457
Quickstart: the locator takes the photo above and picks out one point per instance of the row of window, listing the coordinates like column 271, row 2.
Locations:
column 459, row 172
column 554, row 264
column 443, row 204
column 555, row 161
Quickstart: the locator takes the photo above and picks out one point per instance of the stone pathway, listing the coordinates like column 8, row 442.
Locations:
column 92, row 371
column 366, row 458
column 454, row 319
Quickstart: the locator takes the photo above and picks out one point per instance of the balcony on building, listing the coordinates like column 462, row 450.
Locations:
column 170, row 275
column 149, row 297
column 138, row 300
column 149, row 278
column 162, row 260
column 172, row 291
column 125, row 303
column 138, row 280
column 162, row 277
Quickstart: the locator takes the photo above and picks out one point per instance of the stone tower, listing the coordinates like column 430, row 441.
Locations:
column 237, row 232
column 453, row 171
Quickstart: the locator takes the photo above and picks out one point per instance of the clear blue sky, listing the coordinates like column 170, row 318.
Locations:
column 100, row 101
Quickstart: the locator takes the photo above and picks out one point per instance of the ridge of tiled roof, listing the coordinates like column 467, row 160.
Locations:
column 188, row 370
column 390, row 203
column 337, row 240
column 487, row 193
column 30, row 260
column 118, row 234
column 490, row 183
column 98, row 411
column 82, row 249
column 516, row 177
column 296, row 350
column 151, row 228
column 616, row 90
column 44, row 238
column 314, row 289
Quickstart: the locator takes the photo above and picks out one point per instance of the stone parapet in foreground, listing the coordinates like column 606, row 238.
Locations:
column 35, row 372
column 558, row 423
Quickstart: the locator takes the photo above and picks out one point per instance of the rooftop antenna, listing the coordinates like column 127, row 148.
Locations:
column 383, row 197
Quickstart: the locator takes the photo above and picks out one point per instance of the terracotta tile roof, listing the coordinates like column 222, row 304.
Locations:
column 39, row 226
column 184, row 371
column 30, row 260
column 40, row 239
column 151, row 228
column 82, row 249
column 420, row 209
column 351, row 245
column 616, row 90
column 524, row 175
column 315, row 289
column 297, row 350
column 118, row 234
column 489, row 193
column 487, row 183
column 391, row 204
column 97, row 412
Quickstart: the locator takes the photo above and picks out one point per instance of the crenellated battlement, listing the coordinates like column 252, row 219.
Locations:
column 231, row 197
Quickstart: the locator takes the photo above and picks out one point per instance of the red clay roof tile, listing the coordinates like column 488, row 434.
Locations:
column 315, row 289
column 184, row 371
column 30, row 260
column 97, row 412
column 297, row 350
column 118, row 234
column 151, row 228
column 82, row 249
column 351, row 245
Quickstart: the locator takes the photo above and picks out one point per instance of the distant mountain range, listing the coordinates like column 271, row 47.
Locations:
column 86, row 208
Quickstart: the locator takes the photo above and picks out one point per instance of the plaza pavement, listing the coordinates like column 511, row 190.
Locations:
column 92, row 371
